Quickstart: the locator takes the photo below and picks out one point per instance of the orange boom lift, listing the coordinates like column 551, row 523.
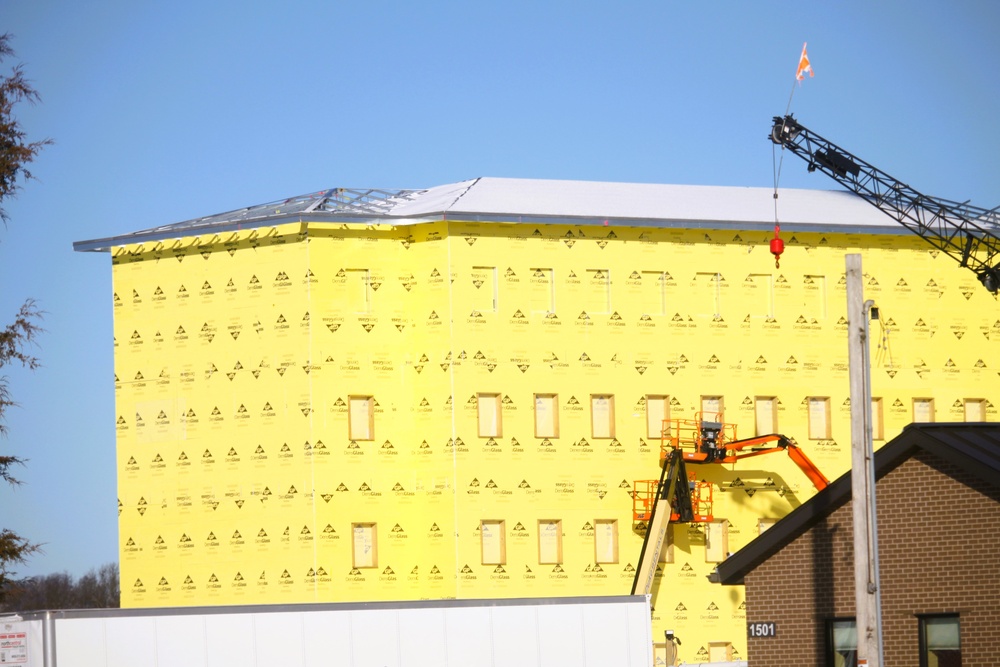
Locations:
column 678, row 498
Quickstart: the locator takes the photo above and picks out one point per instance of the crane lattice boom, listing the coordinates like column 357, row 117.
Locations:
column 969, row 234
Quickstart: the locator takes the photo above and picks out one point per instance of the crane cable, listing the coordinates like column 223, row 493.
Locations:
column 777, row 245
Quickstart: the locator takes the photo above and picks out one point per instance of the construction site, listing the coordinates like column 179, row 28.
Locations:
column 482, row 389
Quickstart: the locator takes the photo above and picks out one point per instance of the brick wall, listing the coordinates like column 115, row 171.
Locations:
column 938, row 534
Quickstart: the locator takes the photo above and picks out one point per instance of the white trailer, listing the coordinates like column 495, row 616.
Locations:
column 521, row 632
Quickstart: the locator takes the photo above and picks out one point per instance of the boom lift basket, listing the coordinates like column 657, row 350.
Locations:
column 644, row 497
column 704, row 437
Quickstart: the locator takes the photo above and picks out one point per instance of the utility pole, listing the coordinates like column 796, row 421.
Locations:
column 867, row 596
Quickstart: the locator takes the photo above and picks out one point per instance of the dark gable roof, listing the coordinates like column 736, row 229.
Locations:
column 973, row 447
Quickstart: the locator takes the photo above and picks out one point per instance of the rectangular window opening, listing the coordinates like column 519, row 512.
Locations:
column 486, row 296
column 975, row 410
column 819, row 418
column 766, row 415
column 716, row 541
column 542, row 291
column 654, row 293
column 667, row 550
column 708, row 292
column 490, row 415
column 764, row 524
column 923, row 410
column 365, row 544
column 720, row 652
column 602, row 416
column 359, row 290
column 759, row 289
column 878, row 419
column 546, row 415
column 606, row 540
column 712, row 408
column 814, row 305
column 550, row 541
column 361, row 418
column 598, row 291
column 657, row 412
column 494, row 541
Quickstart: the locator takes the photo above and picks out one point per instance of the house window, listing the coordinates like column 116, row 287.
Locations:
column 819, row 418
column 975, row 410
column 606, row 540
column 940, row 641
column 488, row 407
column 602, row 415
column 494, row 542
column 923, row 410
column 361, row 418
column 549, row 541
column 365, row 544
column 766, row 414
column 841, row 642
column 546, row 416
column 716, row 541
column 878, row 420
column 657, row 412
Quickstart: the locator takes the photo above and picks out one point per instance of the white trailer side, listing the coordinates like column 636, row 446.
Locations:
column 522, row 632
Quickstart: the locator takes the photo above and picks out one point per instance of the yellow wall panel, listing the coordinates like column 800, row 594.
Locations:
column 236, row 357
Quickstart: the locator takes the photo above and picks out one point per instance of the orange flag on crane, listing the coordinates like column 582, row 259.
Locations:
column 804, row 65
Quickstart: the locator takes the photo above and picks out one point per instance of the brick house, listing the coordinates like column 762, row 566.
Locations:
column 938, row 505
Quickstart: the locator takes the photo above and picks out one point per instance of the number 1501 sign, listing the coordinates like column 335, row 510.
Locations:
column 760, row 630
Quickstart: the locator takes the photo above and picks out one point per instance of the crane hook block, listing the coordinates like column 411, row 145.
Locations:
column 777, row 247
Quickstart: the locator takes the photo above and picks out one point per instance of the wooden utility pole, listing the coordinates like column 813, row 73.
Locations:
column 867, row 596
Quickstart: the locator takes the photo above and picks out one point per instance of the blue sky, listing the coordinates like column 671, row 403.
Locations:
column 161, row 112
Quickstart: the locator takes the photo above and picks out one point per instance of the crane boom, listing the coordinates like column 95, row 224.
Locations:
column 969, row 234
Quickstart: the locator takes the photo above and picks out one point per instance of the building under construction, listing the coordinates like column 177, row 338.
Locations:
column 362, row 395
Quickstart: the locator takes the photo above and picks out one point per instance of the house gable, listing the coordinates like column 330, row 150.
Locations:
column 937, row 527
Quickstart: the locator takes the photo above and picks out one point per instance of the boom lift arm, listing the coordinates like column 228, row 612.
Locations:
column 673, row 502
column 672, row 496
column 705, row 441
column 735, row 450
column 969, row 234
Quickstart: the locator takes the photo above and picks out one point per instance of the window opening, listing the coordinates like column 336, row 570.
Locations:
column 546, row 416
column 602, row 415
column 361, row 418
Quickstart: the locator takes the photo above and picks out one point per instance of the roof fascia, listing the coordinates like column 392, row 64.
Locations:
column 168, row 232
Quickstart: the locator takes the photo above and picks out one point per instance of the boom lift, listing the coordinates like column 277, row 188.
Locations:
column 675, row 498
column 969, row 234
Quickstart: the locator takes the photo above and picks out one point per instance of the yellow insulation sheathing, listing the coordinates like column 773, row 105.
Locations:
column 342, row 413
